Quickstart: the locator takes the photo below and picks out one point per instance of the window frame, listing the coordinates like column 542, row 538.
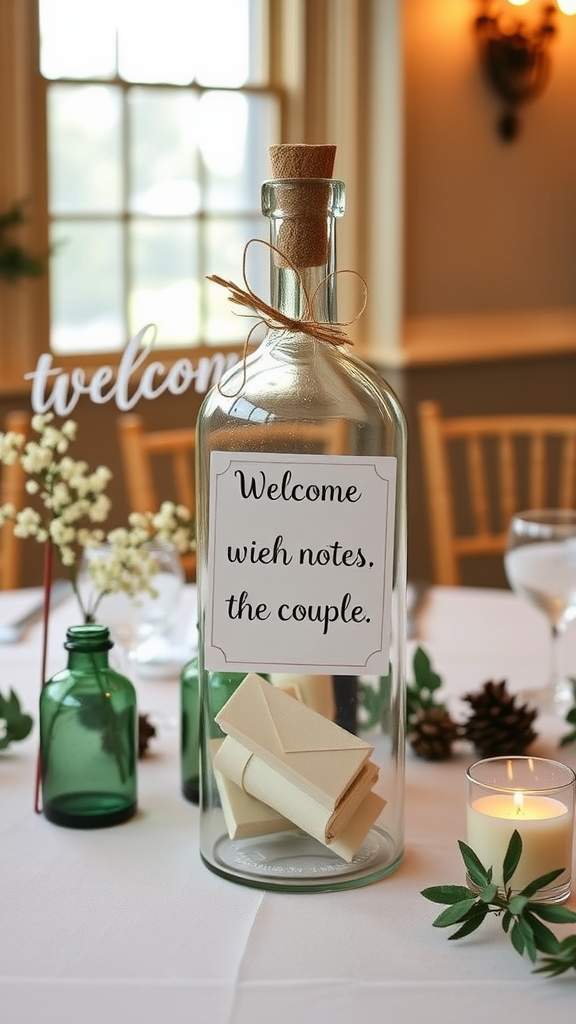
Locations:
column 317, row 60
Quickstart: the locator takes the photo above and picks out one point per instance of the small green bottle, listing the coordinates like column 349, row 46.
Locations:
column 222, row 686
column 88, row 736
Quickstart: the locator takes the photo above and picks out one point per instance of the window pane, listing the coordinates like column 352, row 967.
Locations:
column 163, row 154
column 85, row 170
column 86, row 287
column 225, row 243
column 77, row 38
column 215, row 42
column 154, row 178
column 157, row 41
column 224, row 32
column 235, row 130
column 165, row 282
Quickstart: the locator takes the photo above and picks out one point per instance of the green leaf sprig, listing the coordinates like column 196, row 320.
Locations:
column 15, row 262
column 522, row 918
column 16, row 725
column 571, row 719
column 421, row 694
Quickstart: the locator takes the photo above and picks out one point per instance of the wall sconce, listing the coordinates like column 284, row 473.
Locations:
column 515, row 57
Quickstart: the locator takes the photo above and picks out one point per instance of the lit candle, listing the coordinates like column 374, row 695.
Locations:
column 533, row 796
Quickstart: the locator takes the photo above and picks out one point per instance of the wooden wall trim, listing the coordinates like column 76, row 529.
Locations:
column 484, row 337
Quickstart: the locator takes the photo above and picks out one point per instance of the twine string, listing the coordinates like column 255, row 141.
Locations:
column 275, row 319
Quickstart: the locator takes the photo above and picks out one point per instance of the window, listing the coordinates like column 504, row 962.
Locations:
column 159, row 117
column 137, row 198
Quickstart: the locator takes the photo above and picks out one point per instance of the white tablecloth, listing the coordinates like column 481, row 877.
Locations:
column 125, row 925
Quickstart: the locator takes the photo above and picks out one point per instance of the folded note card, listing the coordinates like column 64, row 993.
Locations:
column 316, row 754
column 284, row 756
column 245, row 816
column 315, row 691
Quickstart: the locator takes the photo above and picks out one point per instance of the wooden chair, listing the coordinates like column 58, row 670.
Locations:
column 480, row 470
column 142, row 454
column 12, row 489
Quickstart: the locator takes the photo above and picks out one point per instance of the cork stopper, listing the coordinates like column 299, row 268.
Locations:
column 303, row 237
column 301, row 161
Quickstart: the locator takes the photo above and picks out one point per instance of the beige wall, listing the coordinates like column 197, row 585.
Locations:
column 489, row 226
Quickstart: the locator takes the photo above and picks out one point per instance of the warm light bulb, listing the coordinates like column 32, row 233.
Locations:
column 517, row 3
column 519, row 803
column 567, row 6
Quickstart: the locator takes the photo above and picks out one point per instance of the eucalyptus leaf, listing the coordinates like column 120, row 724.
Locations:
column 545, row 939
column 521, row 919
column 478, row 873
column 489, row 893
column 454, row 913
column 517, row 938
column 517, row 903
column 446, row 893
column 471, row 923
column 553, row 912
column 525, row 929
column 512, row 856
column 542, row 882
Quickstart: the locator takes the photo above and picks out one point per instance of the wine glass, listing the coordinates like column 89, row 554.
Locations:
column 540, row 565
column 133, row 619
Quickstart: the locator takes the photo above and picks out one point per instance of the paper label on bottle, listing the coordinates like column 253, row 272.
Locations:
column 300, row 563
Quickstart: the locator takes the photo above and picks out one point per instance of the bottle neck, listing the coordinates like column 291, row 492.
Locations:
column 302, row 215
column 88, row 647
column 87, row 661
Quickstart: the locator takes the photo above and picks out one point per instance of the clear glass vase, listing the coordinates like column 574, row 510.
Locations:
column 88, row 736
column 297, row 412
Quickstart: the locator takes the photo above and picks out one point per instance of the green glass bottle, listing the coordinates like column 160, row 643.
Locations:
column 222, row 686
column 88, row 736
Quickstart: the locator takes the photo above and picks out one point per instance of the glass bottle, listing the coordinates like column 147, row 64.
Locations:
column 88, row 736
column 295, row 390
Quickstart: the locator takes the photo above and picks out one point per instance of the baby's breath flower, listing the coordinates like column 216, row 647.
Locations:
column 69, row 428
column 7, row 513
column 27, row 523
column 99, row 509
column 72, row 499
column 40, row 420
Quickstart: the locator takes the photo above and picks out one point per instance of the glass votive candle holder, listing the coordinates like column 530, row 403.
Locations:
column 535, row 797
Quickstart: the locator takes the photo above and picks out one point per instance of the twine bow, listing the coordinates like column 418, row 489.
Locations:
column 333, row 333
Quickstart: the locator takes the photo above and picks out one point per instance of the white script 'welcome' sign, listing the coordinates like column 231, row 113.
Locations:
column 135, row 378
column 300, row 563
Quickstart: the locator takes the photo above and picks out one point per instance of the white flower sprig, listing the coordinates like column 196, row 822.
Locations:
column 72, row 500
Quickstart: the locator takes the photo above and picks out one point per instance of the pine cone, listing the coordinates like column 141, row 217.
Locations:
column 498, row 725
column 432, row 733
column 146, row 732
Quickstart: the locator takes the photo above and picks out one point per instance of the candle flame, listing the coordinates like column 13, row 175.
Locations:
column 519, row 803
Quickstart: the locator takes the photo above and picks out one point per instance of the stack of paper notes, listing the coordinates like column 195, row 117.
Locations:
column 283, row 765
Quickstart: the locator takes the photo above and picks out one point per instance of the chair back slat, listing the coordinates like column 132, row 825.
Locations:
column 538, row 487
column 142, row 451
column 568, row 472
column 507, row 479
column 511, row 462
column 13, row 491
column 478, row 484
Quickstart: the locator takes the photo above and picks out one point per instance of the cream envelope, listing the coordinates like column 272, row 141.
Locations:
column 315, row 691
column 317, row 755
column 254, row 778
